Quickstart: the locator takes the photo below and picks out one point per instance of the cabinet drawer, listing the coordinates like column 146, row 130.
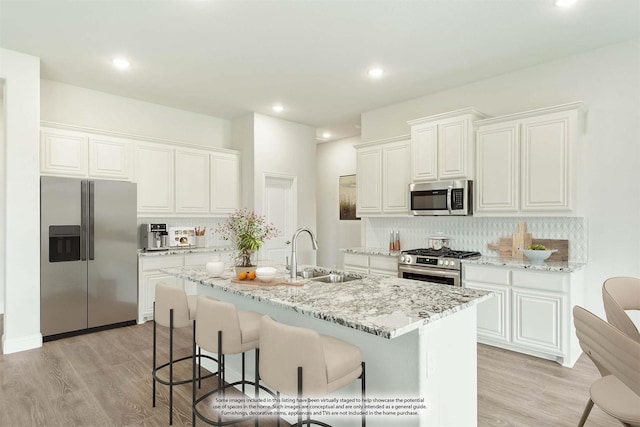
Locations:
column 155, row 263
column 500, row 276
column 357, row 260
column 544, row 281
column 388, row 263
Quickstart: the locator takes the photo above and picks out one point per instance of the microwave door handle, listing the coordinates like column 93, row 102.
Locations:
column 449, row 193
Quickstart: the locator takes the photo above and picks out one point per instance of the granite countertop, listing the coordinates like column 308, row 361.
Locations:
column 371, row 251
column 386, row 307
column 553, row 266
column 185, row 250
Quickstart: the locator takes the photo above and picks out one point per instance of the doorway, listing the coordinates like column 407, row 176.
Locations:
column 280, row 206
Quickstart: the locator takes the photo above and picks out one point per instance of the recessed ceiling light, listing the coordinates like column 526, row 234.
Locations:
column 564, row 3
column 326, row 135
column 376, row 73
column 121, row 63
column 278, row 108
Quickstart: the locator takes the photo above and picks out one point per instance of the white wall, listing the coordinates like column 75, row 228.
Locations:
column 284, row 147
column 334, row 159
column 243, row 140
column 2, row 196
column 607, row 80
column 21, row 74
column 74, row 105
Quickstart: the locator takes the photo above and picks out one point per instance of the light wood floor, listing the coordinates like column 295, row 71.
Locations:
column 104, row 379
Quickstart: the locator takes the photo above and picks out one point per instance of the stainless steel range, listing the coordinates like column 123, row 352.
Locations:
column 433, row 265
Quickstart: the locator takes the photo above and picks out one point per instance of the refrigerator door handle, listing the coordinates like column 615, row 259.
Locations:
column 91, row 219
column 83, row 219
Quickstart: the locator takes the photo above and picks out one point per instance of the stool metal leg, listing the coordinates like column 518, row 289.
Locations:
column 171, row 367
column 364, row 395
column 193, row 376
column 153, row 374
column 257, row 381
column 299, row 395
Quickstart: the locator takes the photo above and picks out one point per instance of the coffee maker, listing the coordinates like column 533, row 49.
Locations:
column 154, row 237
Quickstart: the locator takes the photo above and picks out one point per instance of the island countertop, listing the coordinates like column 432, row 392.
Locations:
column 382, row 306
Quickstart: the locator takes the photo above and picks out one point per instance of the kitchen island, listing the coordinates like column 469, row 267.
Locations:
column 418, row 339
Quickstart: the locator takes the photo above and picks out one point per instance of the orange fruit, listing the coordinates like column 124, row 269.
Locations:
column 242, row 276
column 251, row 275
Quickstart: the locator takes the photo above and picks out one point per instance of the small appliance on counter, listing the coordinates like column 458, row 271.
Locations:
column 182, row 237
column 154, row 237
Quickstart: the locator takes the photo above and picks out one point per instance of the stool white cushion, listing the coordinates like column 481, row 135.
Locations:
column 173, row 298
column 240, row 329
column 327, row 363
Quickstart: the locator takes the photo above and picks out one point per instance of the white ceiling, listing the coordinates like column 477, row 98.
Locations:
column 227, row 58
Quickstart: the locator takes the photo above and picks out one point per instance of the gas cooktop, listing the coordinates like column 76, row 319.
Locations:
column 442, row 253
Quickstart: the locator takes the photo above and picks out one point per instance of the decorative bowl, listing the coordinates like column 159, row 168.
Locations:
column 266, row 274
column 537, row 256
column 215, row 268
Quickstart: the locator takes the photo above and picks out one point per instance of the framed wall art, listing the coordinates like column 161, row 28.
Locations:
column 347, row 197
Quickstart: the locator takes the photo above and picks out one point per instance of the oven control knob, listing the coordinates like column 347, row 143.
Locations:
column 405, row 259
column 440, row 261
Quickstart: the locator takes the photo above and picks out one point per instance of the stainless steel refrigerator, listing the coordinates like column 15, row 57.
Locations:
column 88, row 255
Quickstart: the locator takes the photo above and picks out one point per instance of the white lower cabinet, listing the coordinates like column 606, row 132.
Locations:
column 371, row 264
column 530, row 311
column 149, row 275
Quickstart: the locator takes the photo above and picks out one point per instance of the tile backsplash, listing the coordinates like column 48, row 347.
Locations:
column 474, row 233
column 211, row 238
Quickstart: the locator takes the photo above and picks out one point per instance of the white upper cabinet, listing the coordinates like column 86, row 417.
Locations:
column 73, row 153
column 154, row 175
column 382, row 177
column 526, row 162
column 173, row 178
column 424, row 152
column 110, row 158
column 63, row 152
column 395, row 177
column 498, row 168
column 225, row 183
column 192, row 181
column 369, row 180
column 547, row 142
column 442, row 146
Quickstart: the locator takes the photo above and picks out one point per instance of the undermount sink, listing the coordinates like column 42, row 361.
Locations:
column 334, row 278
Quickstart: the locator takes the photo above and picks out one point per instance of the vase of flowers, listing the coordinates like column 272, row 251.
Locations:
column 247, row 232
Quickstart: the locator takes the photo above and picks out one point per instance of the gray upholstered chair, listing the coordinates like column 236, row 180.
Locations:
column 618, row 358
column 301, row 362
column 620, row 294
column 172, row 308
column 222, row 329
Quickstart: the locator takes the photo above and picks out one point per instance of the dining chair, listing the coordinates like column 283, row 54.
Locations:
column 620, row 294
column 617, row 357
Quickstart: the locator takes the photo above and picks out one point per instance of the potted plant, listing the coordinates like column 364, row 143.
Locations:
column 247, row 231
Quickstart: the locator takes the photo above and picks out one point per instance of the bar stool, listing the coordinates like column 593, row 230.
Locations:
column 172, row 309
column 324, row 364
column 225, row 330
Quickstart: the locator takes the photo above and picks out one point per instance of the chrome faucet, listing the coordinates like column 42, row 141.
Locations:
column 294, row 261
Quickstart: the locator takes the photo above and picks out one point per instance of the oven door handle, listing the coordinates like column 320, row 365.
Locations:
column 428, row 272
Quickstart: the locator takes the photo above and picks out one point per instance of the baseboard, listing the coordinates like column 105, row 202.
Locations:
column 21, row 344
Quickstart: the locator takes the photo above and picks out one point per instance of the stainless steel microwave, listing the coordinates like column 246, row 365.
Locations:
column 441, row 198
